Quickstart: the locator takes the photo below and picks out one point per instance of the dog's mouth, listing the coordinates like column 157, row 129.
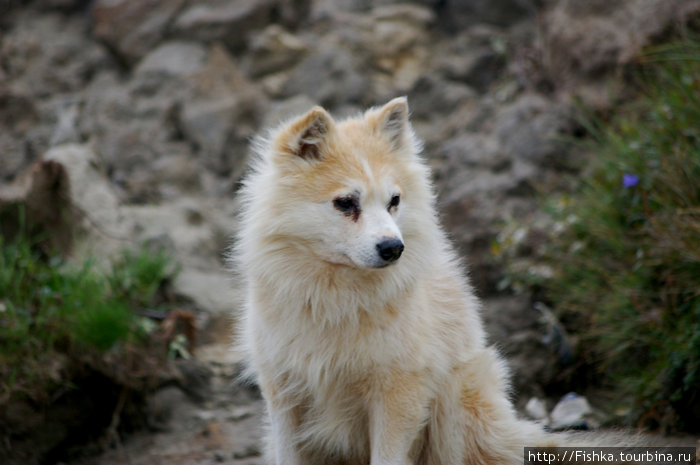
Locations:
column 385, row 254
column 350, row 263
column 381, row 266
column 378, row 265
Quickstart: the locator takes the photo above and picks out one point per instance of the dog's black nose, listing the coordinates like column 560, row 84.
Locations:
column 390, row 249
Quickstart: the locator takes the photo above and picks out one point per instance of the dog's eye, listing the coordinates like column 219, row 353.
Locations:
column 347, row 205
column 394, row 202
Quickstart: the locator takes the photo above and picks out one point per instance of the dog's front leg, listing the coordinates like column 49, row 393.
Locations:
column 283, row 424
column 283, row 416
column 396, row 416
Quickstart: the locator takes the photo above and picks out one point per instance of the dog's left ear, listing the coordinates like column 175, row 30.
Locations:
column 391, row 121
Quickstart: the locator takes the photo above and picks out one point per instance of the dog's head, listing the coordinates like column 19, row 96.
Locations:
column 344, row 190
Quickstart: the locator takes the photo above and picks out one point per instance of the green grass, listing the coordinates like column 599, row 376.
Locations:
column 624, row 261
column 52, row 313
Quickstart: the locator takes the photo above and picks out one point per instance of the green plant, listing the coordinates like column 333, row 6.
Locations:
column 136, row 276
column 52, row 312
column 624, row 260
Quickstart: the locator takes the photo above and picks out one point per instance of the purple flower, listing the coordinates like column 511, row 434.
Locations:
column 629, row 180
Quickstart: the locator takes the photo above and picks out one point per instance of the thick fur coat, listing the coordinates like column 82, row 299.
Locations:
column 359, row 324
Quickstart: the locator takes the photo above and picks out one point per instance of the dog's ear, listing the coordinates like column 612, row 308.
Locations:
column 306, row 136
column 391, row 121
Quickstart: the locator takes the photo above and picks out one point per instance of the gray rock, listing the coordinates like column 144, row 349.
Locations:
column 536, row 408
column 133, row 125
column 221, row 130
column 293, row 13
column 221, row 114
column 210, row 290
column 130, row 152
column 432, row 95
column 572, row 412
column 208, row 124
column 587, row 38
column 166, row 405
column 470, row 149
column 476, row 57
column 396, row 38
column 221, row 76
column 18, row 113
column 101, row 216
column 177, row 173
column 195, row 377
column 331, row 76
column 47, row 54
column 184, row 102
column 534, row 130
column 274, row 50
column 175, row 58
column 131, row 29
column 219, row 20
column 456, row 14
column 37, row 203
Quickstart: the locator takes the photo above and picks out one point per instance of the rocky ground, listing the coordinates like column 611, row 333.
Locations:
column 149, row 107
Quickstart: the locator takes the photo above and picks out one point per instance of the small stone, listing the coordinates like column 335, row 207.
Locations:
column 536, row 408
column 571, row 413
column 165, row 403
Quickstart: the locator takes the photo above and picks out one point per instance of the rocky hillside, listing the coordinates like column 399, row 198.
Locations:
column 148, row 107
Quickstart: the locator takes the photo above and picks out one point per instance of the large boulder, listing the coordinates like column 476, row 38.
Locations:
column 99, row 218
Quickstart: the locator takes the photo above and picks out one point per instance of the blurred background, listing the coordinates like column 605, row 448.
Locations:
column 564, row 138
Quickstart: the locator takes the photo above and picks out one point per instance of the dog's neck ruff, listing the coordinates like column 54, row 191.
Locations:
column 331, row 294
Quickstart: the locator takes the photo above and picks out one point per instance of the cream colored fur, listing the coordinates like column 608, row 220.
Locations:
column 362, row 363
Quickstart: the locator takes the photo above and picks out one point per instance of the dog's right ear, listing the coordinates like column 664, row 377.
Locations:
column 307, row 136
